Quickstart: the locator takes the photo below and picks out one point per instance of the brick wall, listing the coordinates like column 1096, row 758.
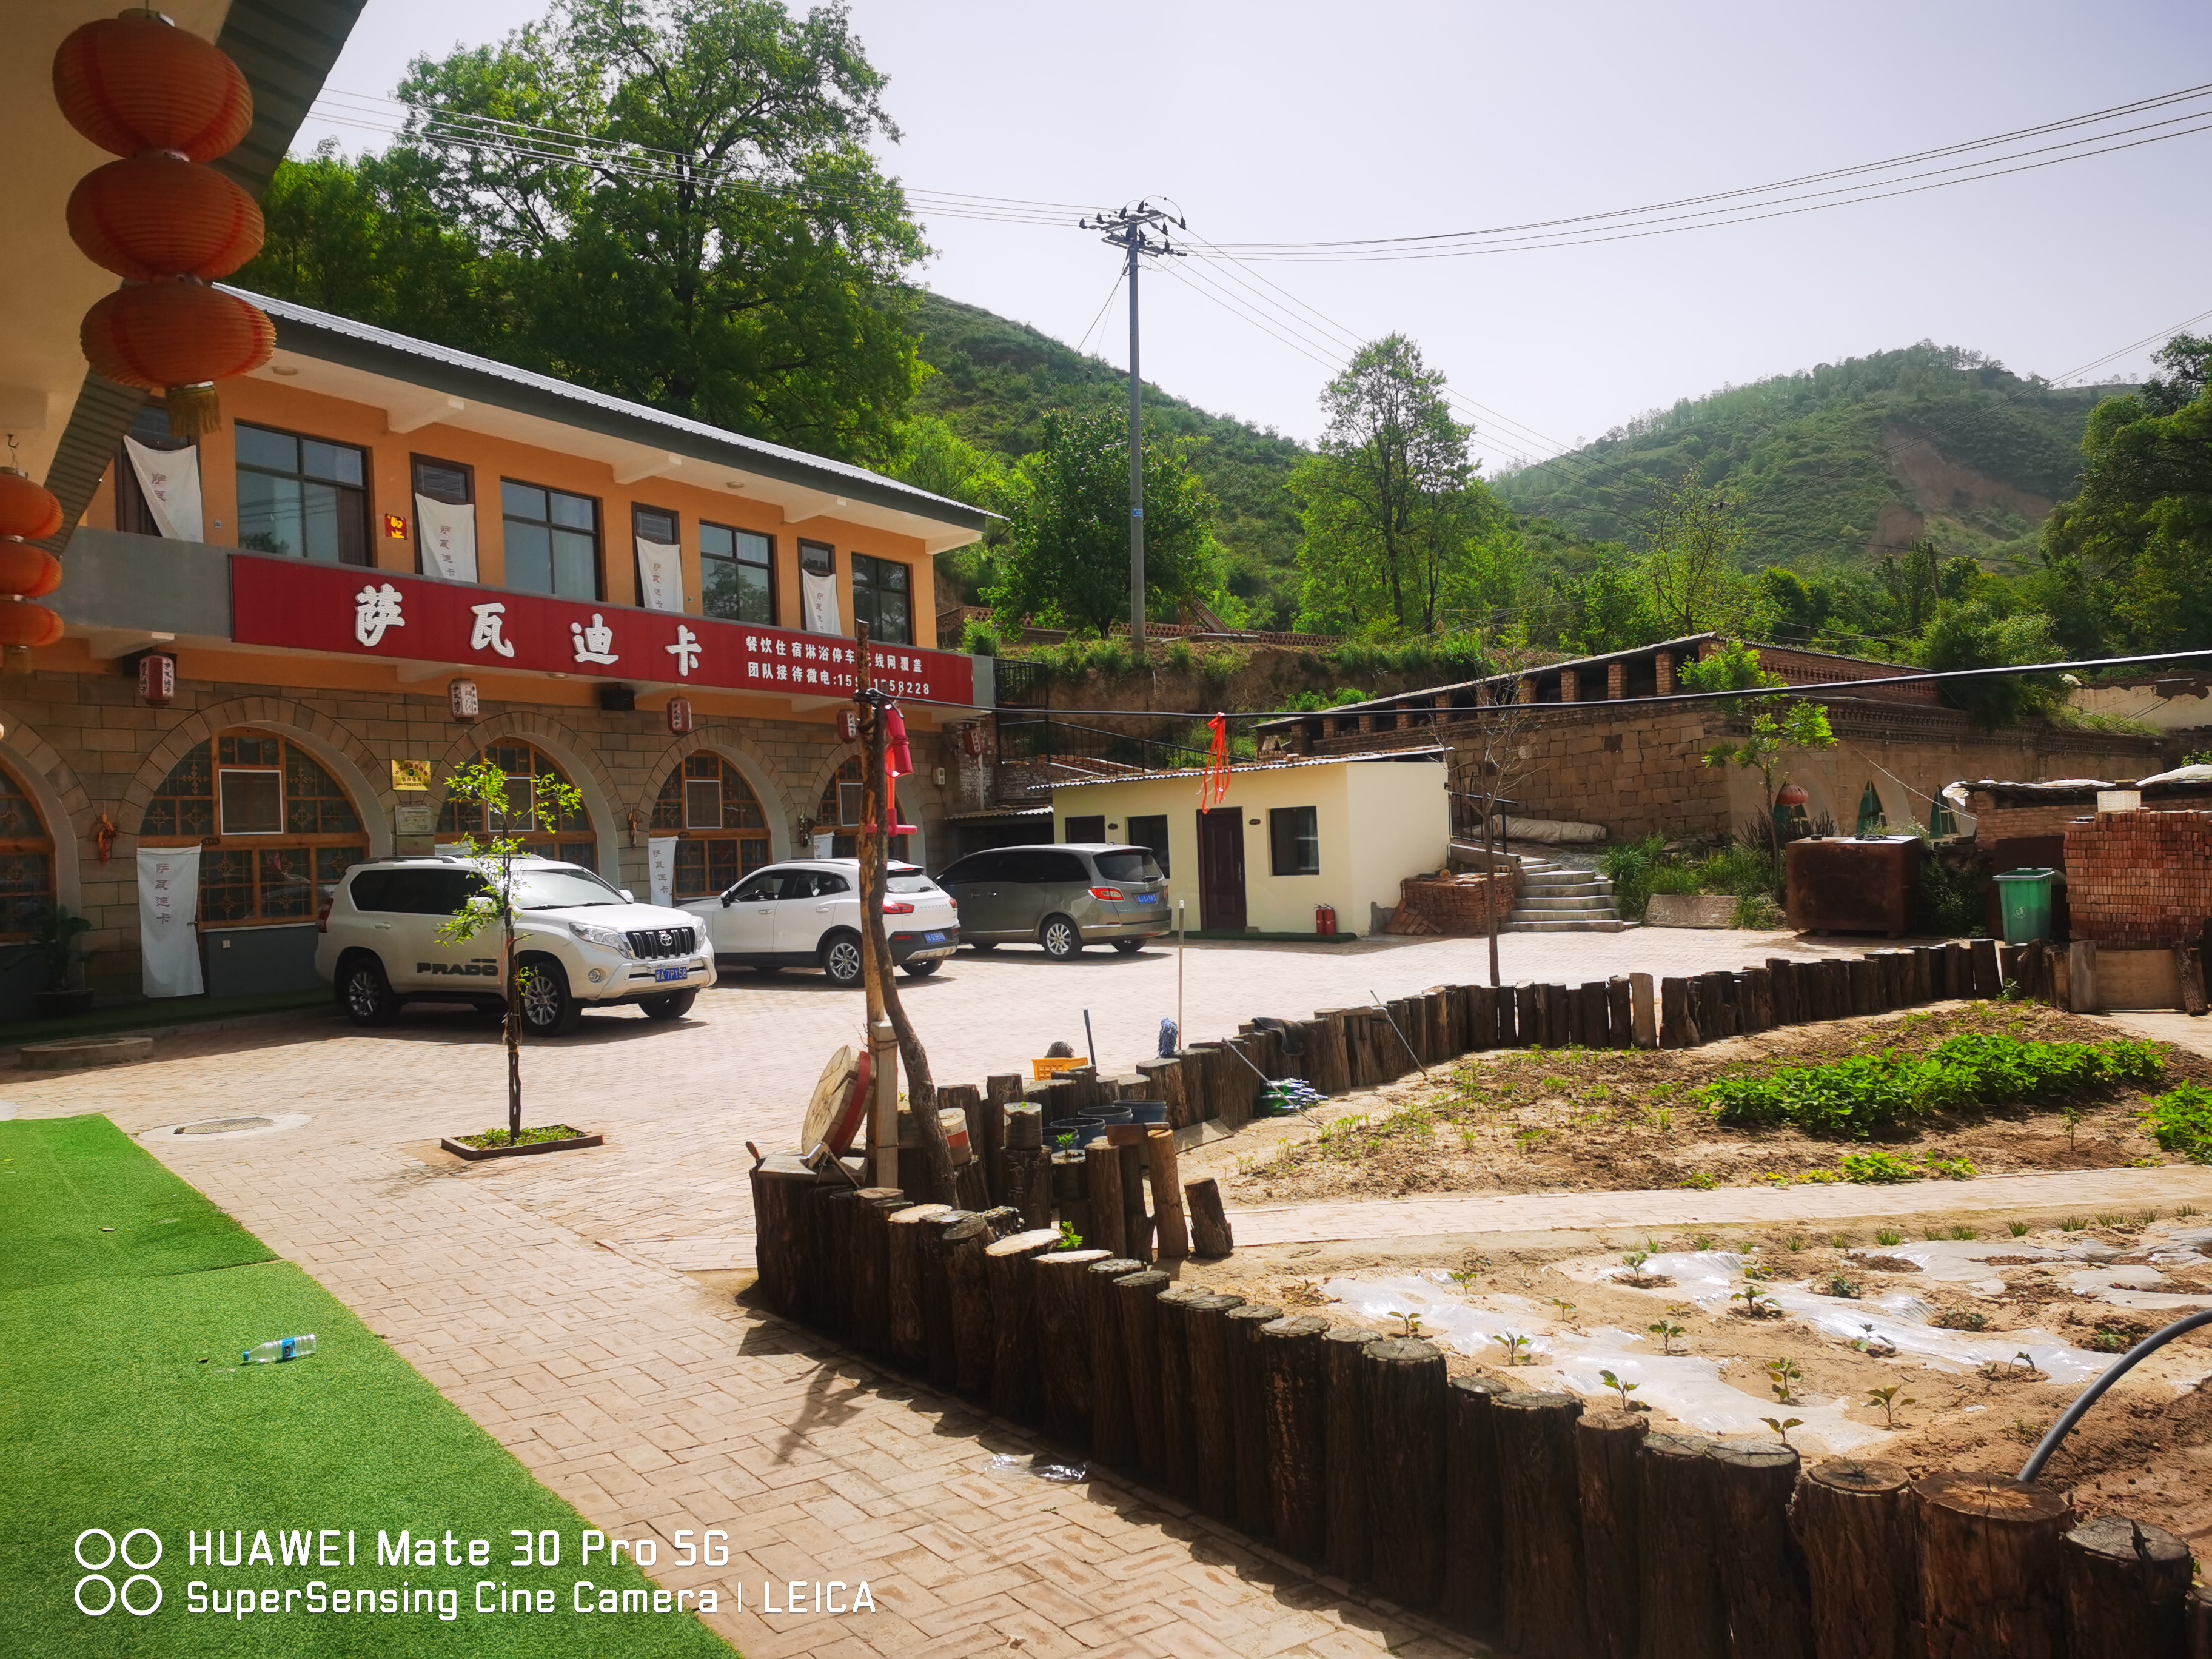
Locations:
column 2140, row 878
column 1458, row 906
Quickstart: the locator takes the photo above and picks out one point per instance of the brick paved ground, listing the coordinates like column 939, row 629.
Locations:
column 649, row 1400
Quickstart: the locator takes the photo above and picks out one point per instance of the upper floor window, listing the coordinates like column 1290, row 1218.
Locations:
column 301, row 497
column 552, row 541
column 157, row 477
column 881, row 600
column 737, row 574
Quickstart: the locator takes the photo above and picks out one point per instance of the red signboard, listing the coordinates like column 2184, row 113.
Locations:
column 374, row 613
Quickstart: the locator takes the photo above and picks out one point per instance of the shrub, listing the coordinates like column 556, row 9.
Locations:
column 2181, row 1122
column 980, row 639
column 1880, row 1168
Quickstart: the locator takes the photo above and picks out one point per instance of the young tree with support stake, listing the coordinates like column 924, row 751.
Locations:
column 1500, row 755
column 1779, row 727
column 485, row 783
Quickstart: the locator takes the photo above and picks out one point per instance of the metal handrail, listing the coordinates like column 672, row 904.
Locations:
column 2135, row 1355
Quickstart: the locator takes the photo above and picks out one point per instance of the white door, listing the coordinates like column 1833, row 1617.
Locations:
column 817, row 901
column 745, row 926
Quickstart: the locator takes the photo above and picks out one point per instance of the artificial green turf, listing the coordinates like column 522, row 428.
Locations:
column 139, row 1014
column 80, row 1200
column 109, row 1418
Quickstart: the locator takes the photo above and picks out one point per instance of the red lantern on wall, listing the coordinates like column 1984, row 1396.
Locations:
column 157, row 678
column 461, row 698
column 27, row 513
column 679, row 715
column 158, row 215
column 175, row 337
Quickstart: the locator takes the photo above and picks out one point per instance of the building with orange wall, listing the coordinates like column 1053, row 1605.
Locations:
column 283, row 637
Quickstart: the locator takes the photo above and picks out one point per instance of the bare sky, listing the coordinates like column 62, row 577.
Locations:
column 1294, row 120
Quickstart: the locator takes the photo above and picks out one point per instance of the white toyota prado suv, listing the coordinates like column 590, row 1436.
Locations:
column 590, row 945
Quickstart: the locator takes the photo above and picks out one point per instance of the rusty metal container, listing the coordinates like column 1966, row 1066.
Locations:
column 1842, row 884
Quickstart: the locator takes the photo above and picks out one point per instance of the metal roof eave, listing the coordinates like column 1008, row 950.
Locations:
column 1437, row 753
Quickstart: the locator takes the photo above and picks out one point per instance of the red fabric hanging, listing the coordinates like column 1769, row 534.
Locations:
column 1214, row 789
column 898, row 761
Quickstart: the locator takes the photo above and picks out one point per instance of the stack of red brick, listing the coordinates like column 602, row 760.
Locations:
column 1452, row 904
column 2141, row 879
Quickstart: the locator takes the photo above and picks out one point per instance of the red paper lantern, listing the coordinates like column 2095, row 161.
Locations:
column 679, row 715
column 23, row 624
column 138, row 83
column 1790, row 794
column 30, row 572
column 27, row 512
column 174, row 337
column 157, row 678
column 158, row 215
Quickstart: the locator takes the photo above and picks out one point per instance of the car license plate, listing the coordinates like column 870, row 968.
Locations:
column 933, row 938
column 1148, row 898
column 669, row 975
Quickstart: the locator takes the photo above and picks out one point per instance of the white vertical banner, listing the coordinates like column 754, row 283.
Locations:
column 660, row 868
column 817, row 600
column 447, row 535
column 168, row 900
column 660, row 575
column 170, row 480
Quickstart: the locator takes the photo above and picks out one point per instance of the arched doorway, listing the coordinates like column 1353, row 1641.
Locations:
column 27, row 861
column 722, row 833
column 549, row 833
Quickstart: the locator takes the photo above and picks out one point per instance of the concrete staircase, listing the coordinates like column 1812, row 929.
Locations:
column 1557, row 898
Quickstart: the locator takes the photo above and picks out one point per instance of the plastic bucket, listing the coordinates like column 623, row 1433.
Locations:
column 1107, row 1114
column 2024, row 897
column 1147, row 1111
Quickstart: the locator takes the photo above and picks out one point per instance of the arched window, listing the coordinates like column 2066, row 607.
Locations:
column 724, row 833
column 278, row 829
column 840, row 812
column 550, row 833
column 26, row 862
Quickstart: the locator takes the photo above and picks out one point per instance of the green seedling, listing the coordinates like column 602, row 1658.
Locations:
column 2071, row 1114
column 1624, row 1389
column 2107, row 1218
column 2144, row 1217
column 1704, row 1242
column 2026, row 1432
column 2017, row 1229
column 1781, row 1425
column 2186, row 1212
column 1839, row 1241
column 1757, row 1304
column 1412, row 1322
column 1780, row 1374
column 1794, row 1242
column 1664, row 1121
column 1700, row 1181
column 1567, row 1308
column 1667, row 1334
column 1465, row 1277
column 1840, row 1285
column 1961, row 1319
column 1513, row 1342
column 1634, row 1262
column 1069, row 1238
column 1888, row 1236
column 1063, row 1143
column 1963, row 1233
column 1887, row 1399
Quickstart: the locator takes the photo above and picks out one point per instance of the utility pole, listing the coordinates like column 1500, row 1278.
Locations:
column 1141, row 229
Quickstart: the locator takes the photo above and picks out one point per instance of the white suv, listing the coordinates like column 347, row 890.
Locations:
column 589, row 945
column 807, row 913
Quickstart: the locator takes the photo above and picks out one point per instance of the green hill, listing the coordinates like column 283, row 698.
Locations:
column 996, row 379
column 1843, row 460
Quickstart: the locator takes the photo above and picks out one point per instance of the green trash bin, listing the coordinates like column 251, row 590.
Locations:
column 2025, row 898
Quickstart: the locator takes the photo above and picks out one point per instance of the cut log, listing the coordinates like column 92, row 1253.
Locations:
column 1005, row 1220
column 1346, row 1547
column 1607, row 1479
column 1212, row 1403
column 1136, row 1224
column 1209, row 1224
column 1113, row 1431
column 1528, row 1024
column 1474, row 1527
column 1138, row 1297
column 1169, row 1224
column 2197, row 1624
column 1992, row 1572
column 1256, row 1505
column 1163, row 1082
column 1679, row 1604
column 1178, row 1422
column 1676, row 1029
column 1988, row 984
column 1102, row 1174
column 1541, row 1579
column 1296, row 1412
column 1009, row 1275
column 1028, row 1175
column 1555, row 1017
column 960, row 1351
column 1866, row 986
column 1481, row 1016
column 1758, row 1000
column 2127, row 1585
column 999, row 1092
column 783, row 1190
column 1063, row 1342
column 836, row 1211
column 1927, row 961
column 1643, row 1011
column 908, row 1229
column 1573, row 1001
column 1717, row 1019
column 2189, row 968
column 1762, row 1575
column 1403, row 1387
column 1594, row 1001
column 1856, row 1523
column 871, row 1267
column 1620, row 1012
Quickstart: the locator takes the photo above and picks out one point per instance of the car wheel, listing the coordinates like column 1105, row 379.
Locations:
column 547, row 1009
column 982, row 947
column 1128, row 947
column 674, row 1006
column 841, row 958
column 1060, row 938
column 366, row 993
column 923, row 969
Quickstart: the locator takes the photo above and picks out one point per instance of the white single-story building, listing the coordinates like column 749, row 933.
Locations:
column 1289, row 835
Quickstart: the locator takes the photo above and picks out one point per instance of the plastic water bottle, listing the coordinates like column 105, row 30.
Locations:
column 276, row 1352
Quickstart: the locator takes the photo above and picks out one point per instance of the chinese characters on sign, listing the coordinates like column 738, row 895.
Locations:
column 374, row 610
column 595, row 643
column 486, row 635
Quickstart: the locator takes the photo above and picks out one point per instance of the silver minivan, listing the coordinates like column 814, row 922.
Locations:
column 1061, row 897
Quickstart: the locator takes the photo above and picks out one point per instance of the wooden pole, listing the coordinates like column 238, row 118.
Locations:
column 1679, row 1601
column 970, row 1341
column 1403, row 1386
column 1136, row 1226
column 1988, row 984
column 1347, row 1550
column 1137, row 1296
column 870, row 1266
column 1178, row 1419
column 1009, row 1277
column 2126, row 1586
column 1857, row 1525
column 1113, row 1431
column 1475, row 1527
column 999, row 1093
column 1762, row 1575
column 1166, row 1179
column 1297, row 1414
column 1063, row 1341
column 1212, row 1403
column 2197, row 1624
column 1607, row 1444
column 1108, row 1228
column 908, row 1230
column 1992, row 1572
column 1620, row 1012
column 781, row 1186
column 1209, row 1224
column 1255, row 1506
column 1539, row 1492
column 1676, row 1029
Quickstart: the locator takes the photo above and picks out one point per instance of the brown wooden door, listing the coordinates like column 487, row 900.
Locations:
column 1221, row 870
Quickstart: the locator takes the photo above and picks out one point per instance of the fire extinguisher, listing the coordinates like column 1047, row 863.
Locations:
column 1324, row 919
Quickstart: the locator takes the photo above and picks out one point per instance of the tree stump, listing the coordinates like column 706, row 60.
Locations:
column 907, row 1229
column 1718, row 1017
column 783, row 1191
column 1607, row 1479
column 1992, row 1572
column 1255, row 1506
column 837, row 1210
column 1679, row 1605
column 2127, row 1585
column 964, row 1361
column 1925, row 962
column 1863, row 976
column 1178, row 1421
column 870, row 1267
column 1209, row 1224
column 1573, row 1000
column 1028, row 1175
column 999, row 1092
column 1620, row 1012
column 1475, row 1527
column 1758, row 1000
column 1762, row 1575
column 1113, row 1430
column 1297, row 1414
column 1136, row 1224
column 1528, row 1023
column 1165, row 1178
column 2189, row 968
column 1138, row 1297
column 1988, row 984
column 1403, row 1386
column 1594, row 1001
column 1676, row 1027
column 1101, row 1173
column 1856, row 1523
column 1643, row 1011
column 1212, row 1403
column 2197, row 1624
column 1063, row 1341
column 1017, row 1392
column 1541, row 1579
column 1346, row 1548
column 1481, row 1016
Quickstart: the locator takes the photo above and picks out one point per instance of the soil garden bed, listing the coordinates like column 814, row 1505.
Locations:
column 495, row 1142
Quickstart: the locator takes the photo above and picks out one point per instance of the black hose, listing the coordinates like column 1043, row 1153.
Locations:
column 2135, row 1355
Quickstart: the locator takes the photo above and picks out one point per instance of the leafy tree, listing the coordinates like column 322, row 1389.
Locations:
column 1777, row 727
column 1971, row 633
column 1695, row 535
column 2187, row 360
column 1066, row 554
column 1390, row 503
column 696, row 222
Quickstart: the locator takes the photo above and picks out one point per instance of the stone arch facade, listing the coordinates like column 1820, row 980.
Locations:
column 918, row 797
column 729, row 742
column 68, row 809
column 603, row 798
